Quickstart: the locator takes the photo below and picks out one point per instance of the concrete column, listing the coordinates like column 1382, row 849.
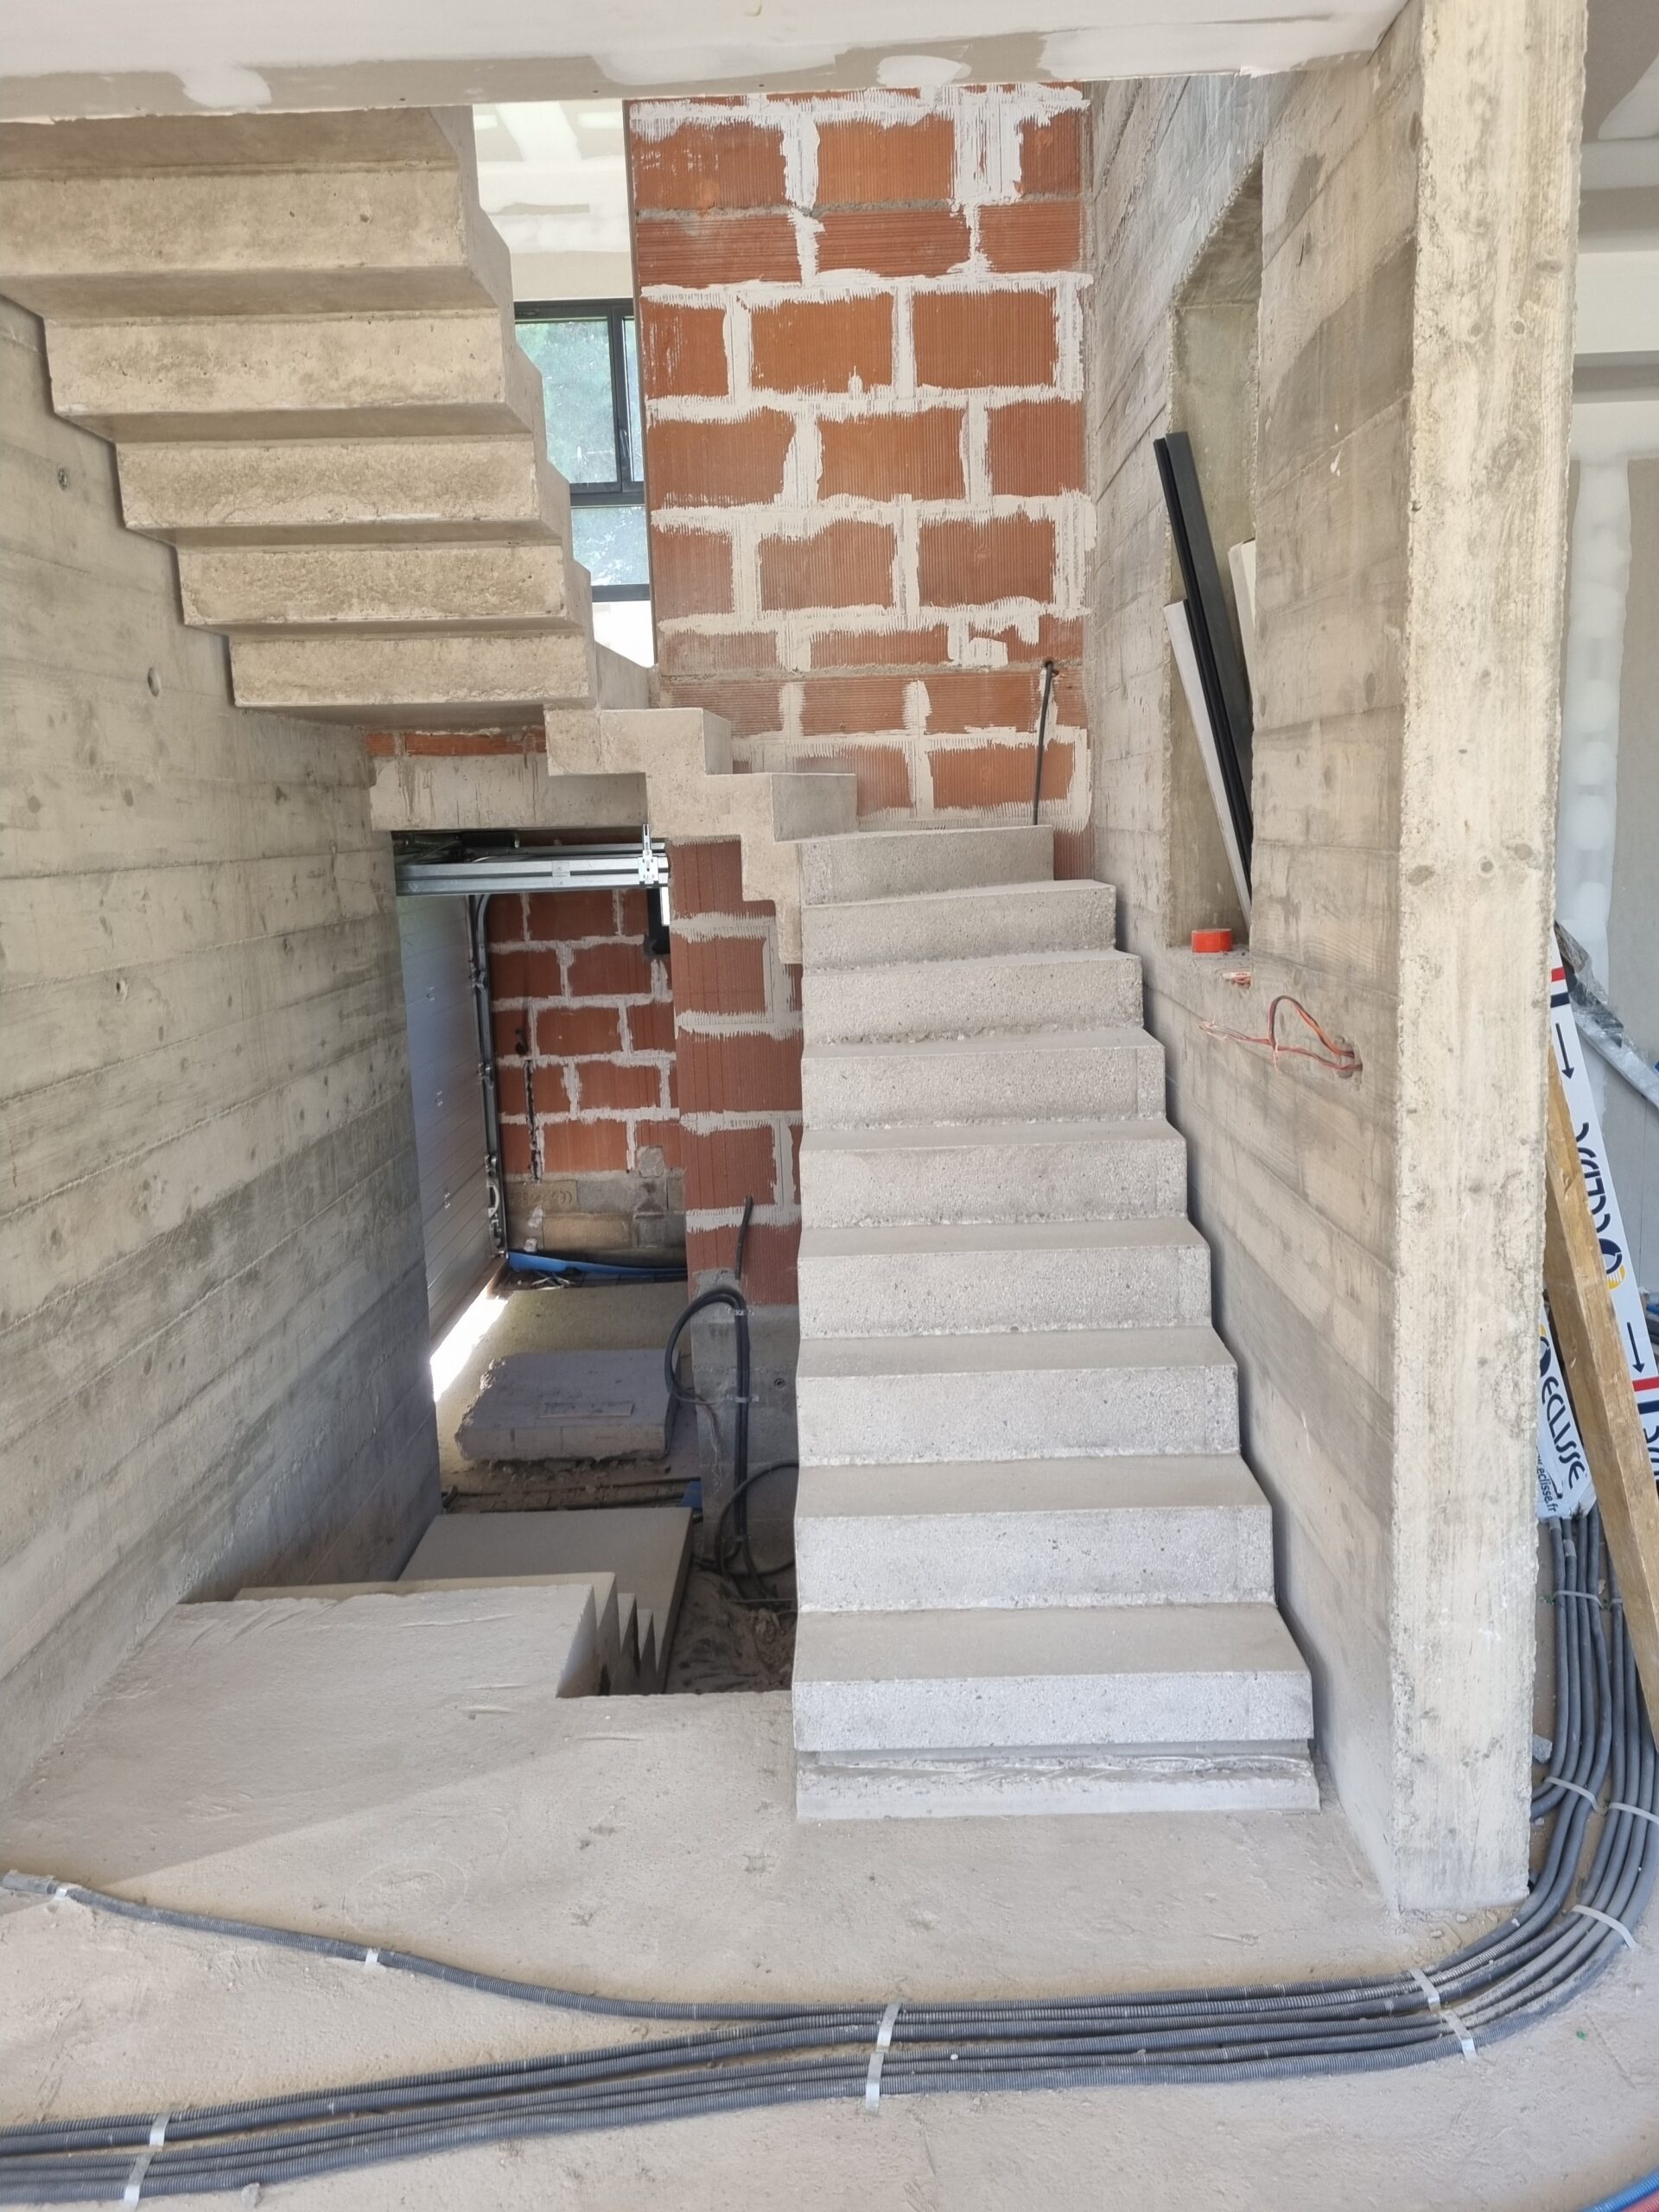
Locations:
column 1492, row 377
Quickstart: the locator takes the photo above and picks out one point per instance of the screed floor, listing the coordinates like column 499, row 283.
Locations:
column 649, row 1844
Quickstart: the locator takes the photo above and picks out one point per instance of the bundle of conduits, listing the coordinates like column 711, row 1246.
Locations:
column 1585, row 1896
column 732, row 1549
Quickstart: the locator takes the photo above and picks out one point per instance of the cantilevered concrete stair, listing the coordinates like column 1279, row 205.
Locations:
column 297, row 330
column 1034, row 1572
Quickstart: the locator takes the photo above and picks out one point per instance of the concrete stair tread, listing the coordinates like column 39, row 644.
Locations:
column 1109, row 1168
column 975, row 1642
column 930, row 1278
column 1012, row 1535
column 1058, row 891
column 1011, row 1352
column 904, row 1239
column 369, row 491
column 965, row 918
column 933, row 1136
column 1120, row 1037
column 972, row 917
column 229, row 144
column 1129, row 1483
column 942, row 832
column 472, row 584
column 978, row 994
column 1049, row 1678
column 881, row 863
column 1102, row 1069
column 1063, row 956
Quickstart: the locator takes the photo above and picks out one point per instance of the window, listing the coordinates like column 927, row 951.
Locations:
column 589, row 360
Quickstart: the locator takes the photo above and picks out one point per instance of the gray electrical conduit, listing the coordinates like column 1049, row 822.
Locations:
column 1532, row 1963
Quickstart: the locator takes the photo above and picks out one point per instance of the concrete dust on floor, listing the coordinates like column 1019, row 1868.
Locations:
column 649, row 1845
column 722, row 1643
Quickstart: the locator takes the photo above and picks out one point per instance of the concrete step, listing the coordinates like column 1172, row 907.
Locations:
column 1202, row 1678
column 935, row 1279
column 1075, row 916
column 1056, row 1075
column 391, row 680
column 1165, row 1530
column 379, row 491
column 310, row 377
column 812, row 804
column 890, row 863
column 982, row 1785
column 646, row 1548
column 992, row 1171
column 615, row 1632
column 254, row 214
column 1007, row 994
column 1030, row 1395
column 652, row 1659
column 685, row 756
column 400, row 586
column 621, row 685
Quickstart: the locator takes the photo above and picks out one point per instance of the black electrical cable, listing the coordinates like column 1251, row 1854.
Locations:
column 1535, row 1960
column 739, row 1501
column 726, row 1294
column 733, row 1547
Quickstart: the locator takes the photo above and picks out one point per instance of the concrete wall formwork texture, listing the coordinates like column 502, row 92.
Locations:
column 862, row 332
column 1376, row 1241
column 212, row 1304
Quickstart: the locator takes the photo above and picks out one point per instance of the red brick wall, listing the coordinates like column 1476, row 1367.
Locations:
column 584, row 1020
column 689, row 1068
column 737, row 1073
column 860, row 327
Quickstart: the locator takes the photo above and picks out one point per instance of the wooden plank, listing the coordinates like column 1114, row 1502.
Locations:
column 1598, row 1380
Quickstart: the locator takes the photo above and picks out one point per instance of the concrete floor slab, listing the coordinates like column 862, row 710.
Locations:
column 574, row 1841
column 568, row 1405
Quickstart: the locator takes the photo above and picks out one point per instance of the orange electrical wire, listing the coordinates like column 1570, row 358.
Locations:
column 1339, row 1055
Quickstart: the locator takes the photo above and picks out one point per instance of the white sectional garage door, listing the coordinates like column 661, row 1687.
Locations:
column 443, row 1069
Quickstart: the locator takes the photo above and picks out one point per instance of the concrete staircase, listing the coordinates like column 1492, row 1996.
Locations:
column 297, row 330
column 1034, row 1572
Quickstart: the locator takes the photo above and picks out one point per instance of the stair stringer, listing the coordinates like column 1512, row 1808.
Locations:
column 684, row 756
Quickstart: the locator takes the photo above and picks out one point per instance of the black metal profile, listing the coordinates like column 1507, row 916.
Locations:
column 1221, row 668
column 627, row 487
column 1042, row 739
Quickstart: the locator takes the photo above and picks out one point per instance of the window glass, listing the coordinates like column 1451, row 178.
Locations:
column 610, row 543
column 575, row 360
column 636, row 425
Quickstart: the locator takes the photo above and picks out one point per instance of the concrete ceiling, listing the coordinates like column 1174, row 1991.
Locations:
column 109, row 57
column 553, row 178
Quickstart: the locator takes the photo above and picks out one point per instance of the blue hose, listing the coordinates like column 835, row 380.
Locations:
column 560, row 1270
column 1625, row 2198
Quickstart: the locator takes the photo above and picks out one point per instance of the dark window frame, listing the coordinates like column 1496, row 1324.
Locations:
column 627, row 487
